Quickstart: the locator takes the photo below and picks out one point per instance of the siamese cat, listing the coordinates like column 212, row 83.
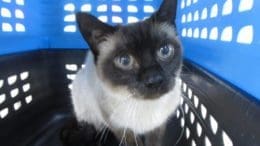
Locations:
column 130, row 83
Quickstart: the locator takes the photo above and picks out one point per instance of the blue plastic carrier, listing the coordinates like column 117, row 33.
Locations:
column 41, row 49
column 221, row 36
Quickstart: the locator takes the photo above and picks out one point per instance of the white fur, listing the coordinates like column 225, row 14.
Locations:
column 142, row 116
column 94, row 102
column 84, row 90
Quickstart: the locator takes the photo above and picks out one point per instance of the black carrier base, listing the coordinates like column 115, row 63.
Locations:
column 35, row 104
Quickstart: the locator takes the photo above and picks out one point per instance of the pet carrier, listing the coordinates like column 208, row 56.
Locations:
column 41, row 50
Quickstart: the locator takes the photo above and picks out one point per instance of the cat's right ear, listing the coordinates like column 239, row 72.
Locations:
column 93, row 30
column 166, row 12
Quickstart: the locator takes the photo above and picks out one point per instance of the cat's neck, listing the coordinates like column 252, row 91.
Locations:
column 139, row 115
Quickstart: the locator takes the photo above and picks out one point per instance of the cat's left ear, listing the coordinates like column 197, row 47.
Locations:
column 166, row 12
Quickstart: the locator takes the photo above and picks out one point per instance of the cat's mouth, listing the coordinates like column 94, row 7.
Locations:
column 152, row 92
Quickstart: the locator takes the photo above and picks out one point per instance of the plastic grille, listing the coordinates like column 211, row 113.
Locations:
column 200, row 127
column 14, row 93
column 12, row 16
column 109, row 11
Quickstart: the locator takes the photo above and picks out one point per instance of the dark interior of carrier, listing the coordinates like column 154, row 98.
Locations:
column 41, row 53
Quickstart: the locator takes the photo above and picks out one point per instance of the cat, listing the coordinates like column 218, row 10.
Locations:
column 130, row 83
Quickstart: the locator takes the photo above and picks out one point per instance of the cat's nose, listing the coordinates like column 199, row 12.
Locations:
column 153, row 79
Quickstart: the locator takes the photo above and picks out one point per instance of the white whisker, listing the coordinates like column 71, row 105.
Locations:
column 105, row 130
column 123, row 137
column 124, row 132
column 135, row 107
column 101, row 129
column 182, row 131
column 136, row 143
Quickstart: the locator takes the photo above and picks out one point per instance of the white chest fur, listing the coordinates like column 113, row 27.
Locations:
column 91, row 102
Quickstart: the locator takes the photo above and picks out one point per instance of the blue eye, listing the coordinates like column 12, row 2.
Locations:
column 165, row 52
column 124, row 62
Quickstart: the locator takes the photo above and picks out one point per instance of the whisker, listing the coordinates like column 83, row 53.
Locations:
column 124, row 131
column 182, row 131
column 101, row 131
column 132, row 112
column 135, row 137
column 103, row 134
column 123, row 137
column 107, row 132
column 136, row 143
column 197, row 114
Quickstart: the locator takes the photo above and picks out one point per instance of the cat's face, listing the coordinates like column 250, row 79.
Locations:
column 143, row 59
